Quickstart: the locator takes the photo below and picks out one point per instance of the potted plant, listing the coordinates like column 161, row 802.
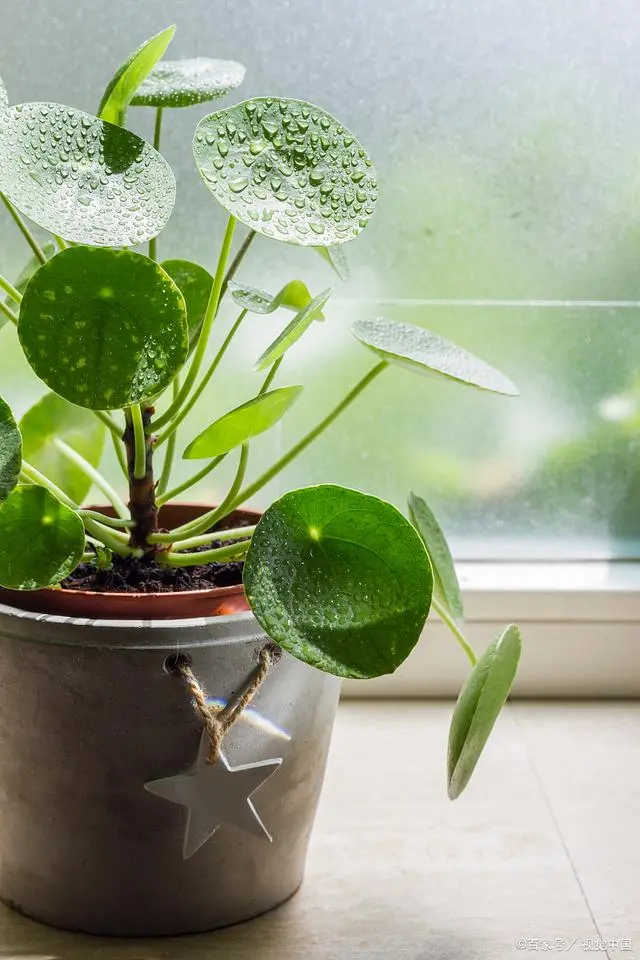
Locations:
column 169, row 672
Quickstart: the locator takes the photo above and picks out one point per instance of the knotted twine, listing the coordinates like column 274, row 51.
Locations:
column 218, row 721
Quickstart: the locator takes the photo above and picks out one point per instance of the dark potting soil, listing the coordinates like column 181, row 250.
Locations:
column 134, row 575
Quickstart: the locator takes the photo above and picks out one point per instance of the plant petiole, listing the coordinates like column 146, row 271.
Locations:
column 196, row 478
column 9, row 288
column 220, row 555
column 448, row 620
column 8, row 312
column 94, row 475
column 24, row 229
column 237, row 533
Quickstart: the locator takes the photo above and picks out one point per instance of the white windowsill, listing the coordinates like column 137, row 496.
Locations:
column 580, row 623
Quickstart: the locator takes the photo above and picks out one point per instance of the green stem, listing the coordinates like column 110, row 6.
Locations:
column 111, row 539
column 24, row 229
column 220, row 536
column 106, row 521
column 308, row 439
column 191, row 482
column 207, row 323
column 268, row 380
column 208, row 520
column 157, row 135
column 455, row 630
column 140, row 463
column 94, row 475
column 180, row 414
column 237, row 260
column 220, row 555
column 8, row 312
column 109, row 422
column 62, row 244
column 169, row 456
column 11, row 290
column 34, row 475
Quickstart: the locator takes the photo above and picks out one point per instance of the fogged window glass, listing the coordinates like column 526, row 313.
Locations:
column 507, row 142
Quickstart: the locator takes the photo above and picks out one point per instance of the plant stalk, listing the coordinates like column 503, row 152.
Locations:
column 94, row 475
column 237, row 260
column 157, row 136
column 24, row 229
column 142, row 489
column 448, row 620
column 9, row 288
column 220, row 555
column 196, row 478
column 8, row 312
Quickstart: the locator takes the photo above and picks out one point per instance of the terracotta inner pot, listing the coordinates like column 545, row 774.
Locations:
column 218, row 601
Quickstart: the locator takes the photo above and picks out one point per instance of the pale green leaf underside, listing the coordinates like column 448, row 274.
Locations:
column 83, row 179
column 41, row 540
column 4, row 97
column 131, row 74
column 340, row 579
column 10, row 451
column 446, row 585
column 480, row 701
column 103, row 328
column 426, row 352
column 182, row 83
column 239, row 425
column 293, row 296
column 194, row 282
column 288, row 170
column 53, row 418
column 294, row 330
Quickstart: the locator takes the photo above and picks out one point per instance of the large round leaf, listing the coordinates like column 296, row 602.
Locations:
column 446, row 586
column 426, row 352
column 83, row 179
column 480, row 701
column 4, row 98
column 103, row 328
column 53, row 418
column 10, row 451
column 130, row 75
column 181, row 83
column 239, row 425
column 195, row 283
column 339, row 579
column 288, row 170
column 294, row 330
column 41, row 540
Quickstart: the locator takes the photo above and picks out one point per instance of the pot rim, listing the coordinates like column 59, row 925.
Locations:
column 216, row 630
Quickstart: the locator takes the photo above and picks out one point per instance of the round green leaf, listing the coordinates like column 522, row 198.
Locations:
column 239, row 425
column 288, row 170
column 51, row 419
column 194, row 282
column 182, row 83
column 480, row 701
column 294, row 296
column 10, row 451
column 445, row 586
column 103, row 328
column 83, row 179
column 41, row 540
column 4, row 97
column 130, row 75
column 294, row 330
column 426, row 352
column 339, row 579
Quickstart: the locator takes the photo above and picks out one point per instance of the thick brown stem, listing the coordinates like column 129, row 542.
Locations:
column 142, row 492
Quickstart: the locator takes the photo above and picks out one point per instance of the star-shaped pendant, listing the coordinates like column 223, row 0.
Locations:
column 215, row 794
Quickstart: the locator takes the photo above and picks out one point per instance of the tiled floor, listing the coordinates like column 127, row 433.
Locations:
column 540, row 855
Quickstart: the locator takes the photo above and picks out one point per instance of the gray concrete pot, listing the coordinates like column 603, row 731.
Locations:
column 88, row 715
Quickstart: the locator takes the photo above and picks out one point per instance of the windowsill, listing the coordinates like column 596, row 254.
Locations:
column 538, row 849
column 580, row 623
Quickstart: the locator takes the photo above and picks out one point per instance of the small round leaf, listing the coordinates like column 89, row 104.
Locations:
column 294, row 330
column 294, row 296
column 480, row 701
column 41, row 539
column 10, row 451
column 81, row 178
column 130, row 75
column 182, row 83
column 239, row 425
column 287, row 169
column 339, row 579
column 445, row 586
column 195, row 283
column 53, row 418
column 103, row 328
column 426, row 352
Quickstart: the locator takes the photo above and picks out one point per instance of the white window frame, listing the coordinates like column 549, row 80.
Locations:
column 580, row 624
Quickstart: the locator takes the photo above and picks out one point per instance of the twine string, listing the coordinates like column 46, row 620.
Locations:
column 218, row 722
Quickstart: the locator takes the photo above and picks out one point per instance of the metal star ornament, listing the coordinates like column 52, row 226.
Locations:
column 215, row 794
